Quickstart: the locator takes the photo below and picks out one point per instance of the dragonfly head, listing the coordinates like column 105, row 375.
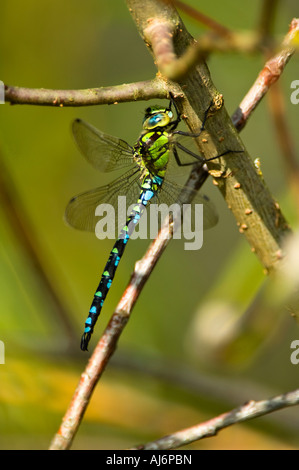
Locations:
column 156, row 116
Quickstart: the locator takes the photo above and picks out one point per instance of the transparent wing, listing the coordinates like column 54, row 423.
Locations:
column 105, row 152
column 80, row 211
column 172, row 192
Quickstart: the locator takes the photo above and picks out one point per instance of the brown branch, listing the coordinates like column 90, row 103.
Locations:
column 223, row 391
column 252, row 409
column 285, row 140
column 283, row 133
column 267, row 77
column 92, row 96
column 159, row 33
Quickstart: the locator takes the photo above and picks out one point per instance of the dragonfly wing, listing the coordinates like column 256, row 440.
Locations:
column 210, row 216
column 103, row 151
column 80, row 211
column 172, row 192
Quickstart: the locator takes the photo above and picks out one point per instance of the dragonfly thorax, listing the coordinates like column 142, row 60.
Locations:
column 153, row 148
column 153, row 144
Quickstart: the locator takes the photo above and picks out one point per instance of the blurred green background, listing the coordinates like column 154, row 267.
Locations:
column 184, row 356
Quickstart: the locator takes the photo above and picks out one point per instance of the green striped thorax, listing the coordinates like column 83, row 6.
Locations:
column 153, row 144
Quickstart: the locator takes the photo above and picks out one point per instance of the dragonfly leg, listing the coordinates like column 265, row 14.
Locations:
column 197, row 134
column 222, row 154
column 198, row 157
column 176, row 122
column 191, row 134
column 178, row 119
column 194, row 155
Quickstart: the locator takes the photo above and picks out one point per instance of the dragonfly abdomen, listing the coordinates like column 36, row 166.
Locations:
column 150, row 186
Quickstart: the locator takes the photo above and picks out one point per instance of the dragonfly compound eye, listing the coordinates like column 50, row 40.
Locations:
column 157, row 120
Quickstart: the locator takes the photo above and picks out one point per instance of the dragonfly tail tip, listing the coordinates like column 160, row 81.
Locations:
column 84, row 341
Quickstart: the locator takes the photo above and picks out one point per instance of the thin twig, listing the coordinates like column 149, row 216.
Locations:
column 252, row 409
column 285, row 140
column 223, row 391
column 282, row 131
column 138, row 91
column 269, row 75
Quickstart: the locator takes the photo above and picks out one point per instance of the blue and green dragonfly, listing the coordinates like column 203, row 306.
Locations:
column 145, row 181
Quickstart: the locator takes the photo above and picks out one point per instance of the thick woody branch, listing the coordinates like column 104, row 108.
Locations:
column 257, row 213
column 160, row 33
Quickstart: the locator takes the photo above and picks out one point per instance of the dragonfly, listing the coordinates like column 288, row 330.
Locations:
column 145, row 181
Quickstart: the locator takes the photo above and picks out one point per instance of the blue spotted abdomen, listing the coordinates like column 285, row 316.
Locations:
column 149, row 187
